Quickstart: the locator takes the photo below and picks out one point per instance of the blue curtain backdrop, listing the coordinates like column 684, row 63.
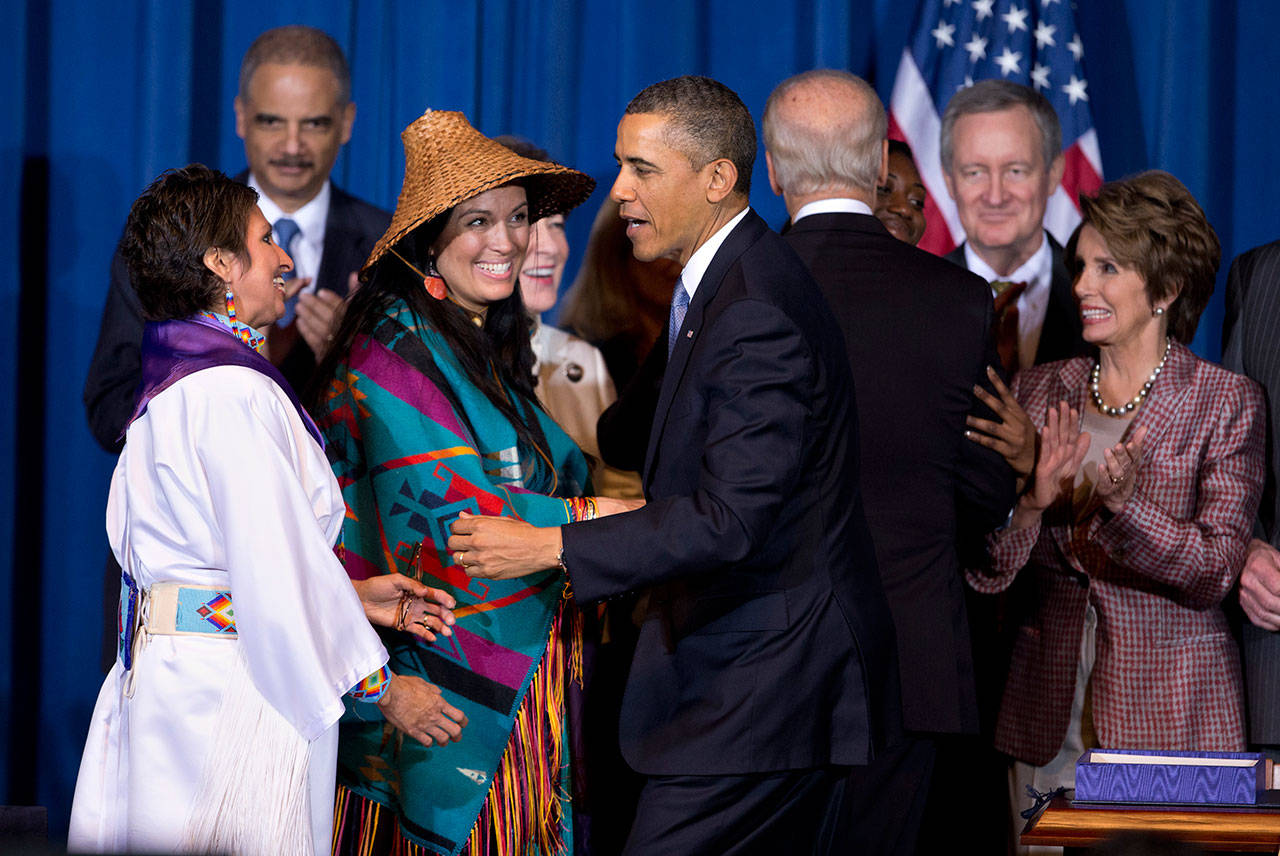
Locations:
column 104, row 96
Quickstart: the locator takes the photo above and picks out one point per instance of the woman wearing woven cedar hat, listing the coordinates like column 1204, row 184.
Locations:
column 216, row 729
column 1136, row 521
column 430, row 412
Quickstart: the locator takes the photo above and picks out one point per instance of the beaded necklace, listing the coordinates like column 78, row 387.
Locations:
column 1133, row 403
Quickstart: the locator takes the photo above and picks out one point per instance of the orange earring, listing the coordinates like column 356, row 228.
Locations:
column 434, row 282
column 431, row 281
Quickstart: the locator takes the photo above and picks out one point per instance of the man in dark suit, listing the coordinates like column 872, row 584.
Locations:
column 917, row 332
column 765, row 660
column 1002, row 158
column 1249, row 347
column 294, row 113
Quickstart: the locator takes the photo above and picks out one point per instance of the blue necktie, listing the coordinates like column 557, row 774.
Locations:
column 679, row 304
column 286, row 230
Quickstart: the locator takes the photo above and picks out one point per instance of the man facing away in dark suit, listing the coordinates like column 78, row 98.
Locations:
column 1249, row 347
column 1001, row 146
column 917, row 330
column 765, row 660
column 294, row 112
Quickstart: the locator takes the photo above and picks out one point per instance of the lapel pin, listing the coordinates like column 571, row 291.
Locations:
column 689, row 334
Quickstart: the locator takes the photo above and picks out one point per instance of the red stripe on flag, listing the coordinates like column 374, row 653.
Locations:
column 937, row 237
column 1078, row 175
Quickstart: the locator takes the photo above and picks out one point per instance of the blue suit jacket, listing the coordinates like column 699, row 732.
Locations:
column 767, row 643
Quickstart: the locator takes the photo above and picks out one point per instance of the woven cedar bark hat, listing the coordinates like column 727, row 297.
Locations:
column 447, row 162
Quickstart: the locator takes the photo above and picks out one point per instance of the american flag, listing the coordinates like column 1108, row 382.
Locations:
column 956, row 42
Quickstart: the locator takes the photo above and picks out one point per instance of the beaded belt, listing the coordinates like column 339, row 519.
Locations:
column 170, row 609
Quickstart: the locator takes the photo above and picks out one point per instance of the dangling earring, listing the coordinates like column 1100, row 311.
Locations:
column 433, row 281
column 231, row 304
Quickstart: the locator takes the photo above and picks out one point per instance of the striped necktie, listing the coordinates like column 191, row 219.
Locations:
column 286, row 231
column 679, row 305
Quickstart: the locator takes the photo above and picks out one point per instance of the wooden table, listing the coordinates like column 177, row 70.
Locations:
column 1216, row 829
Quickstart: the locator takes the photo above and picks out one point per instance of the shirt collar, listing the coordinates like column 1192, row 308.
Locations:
column 835, row 205
column 701, row 258
column 1036, row 271
column 311, row 218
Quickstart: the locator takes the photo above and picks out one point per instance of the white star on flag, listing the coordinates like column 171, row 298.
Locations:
column 955, row 43
column 1008, row 61
column 1044, row 35
column 943, row 33
column 1016, row 19
column 1075, row 90
column 1040, row 76
column 977, row 48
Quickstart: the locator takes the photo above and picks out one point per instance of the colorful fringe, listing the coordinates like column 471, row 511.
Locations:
column 525, row 810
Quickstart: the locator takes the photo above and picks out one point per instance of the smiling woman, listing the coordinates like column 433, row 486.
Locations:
column 215, row 730
column 430, row 411
column 1135, row 523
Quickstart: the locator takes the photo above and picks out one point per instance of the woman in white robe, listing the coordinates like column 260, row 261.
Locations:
column 223, row 738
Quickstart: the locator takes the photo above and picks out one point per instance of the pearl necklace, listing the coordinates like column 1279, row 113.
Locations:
column 1137, row 399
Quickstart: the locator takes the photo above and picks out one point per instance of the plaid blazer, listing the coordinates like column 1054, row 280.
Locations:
column 1167, row 674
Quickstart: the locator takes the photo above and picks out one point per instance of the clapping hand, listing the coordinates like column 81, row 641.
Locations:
column 1014, row 436
column 1118, row 473
column 1062, row 449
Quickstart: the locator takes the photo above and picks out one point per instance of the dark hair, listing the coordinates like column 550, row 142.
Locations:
column 707, row 120
column 1152, row 224
column 990, row 96
column 497, row 353
column 898, row 147
column 296, row 45
column 171, row 225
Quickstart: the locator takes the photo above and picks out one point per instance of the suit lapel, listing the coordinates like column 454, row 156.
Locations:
column 743, row 236
column 1160, row 409
column 1060, row 333
column 341, row 246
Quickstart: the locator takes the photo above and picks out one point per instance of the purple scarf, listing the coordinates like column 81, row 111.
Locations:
column 171, row 350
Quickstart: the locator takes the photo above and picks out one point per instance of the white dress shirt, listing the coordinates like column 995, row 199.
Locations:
column 836, row 205
column 701, row 258
column 308, row 246
column 1033, row 303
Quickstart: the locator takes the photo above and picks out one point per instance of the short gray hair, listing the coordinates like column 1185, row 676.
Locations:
column 823, row 152
column 990, row 96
